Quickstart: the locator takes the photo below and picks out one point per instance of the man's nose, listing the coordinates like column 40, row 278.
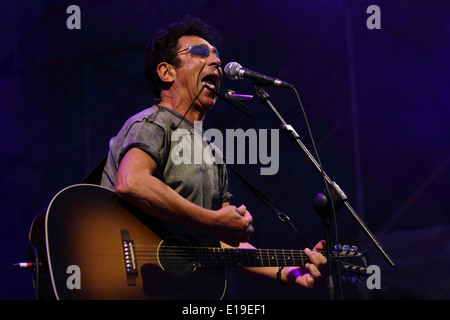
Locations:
column 214, row 60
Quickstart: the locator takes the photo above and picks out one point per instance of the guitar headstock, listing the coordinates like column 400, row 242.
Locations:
column 352, row 262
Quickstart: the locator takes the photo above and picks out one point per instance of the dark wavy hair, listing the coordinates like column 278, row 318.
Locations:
column 164, row 45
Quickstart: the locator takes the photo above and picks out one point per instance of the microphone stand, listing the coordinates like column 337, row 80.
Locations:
column 322, row 204
column 262, row 198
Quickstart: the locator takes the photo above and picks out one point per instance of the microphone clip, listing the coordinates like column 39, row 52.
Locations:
column 242, row 108
column 230, row 94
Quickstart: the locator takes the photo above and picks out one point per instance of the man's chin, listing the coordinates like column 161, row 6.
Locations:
column 208, row 101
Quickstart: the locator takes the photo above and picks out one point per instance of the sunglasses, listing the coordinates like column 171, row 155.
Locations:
column 199, row 51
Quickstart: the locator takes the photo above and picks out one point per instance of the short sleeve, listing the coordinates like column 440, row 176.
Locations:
column 147, row 136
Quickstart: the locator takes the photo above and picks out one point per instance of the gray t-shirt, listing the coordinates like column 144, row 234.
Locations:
column 204, row 183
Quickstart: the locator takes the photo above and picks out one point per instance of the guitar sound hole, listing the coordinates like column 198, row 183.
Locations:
column 176, row 258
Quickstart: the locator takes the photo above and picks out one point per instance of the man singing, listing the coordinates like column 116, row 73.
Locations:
column 189, row 200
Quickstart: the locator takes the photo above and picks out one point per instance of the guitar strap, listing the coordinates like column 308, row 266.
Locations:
column 95, row 176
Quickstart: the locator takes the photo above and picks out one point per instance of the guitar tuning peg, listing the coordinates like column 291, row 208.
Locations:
column 346, row 248
column 338, row 247
column 354, row 249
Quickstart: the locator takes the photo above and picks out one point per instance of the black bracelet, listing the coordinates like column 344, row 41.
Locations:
column 279, row 275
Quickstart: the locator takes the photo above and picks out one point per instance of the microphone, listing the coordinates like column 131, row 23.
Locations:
column 235, row 71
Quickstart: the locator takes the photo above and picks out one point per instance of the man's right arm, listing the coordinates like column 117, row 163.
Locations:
column 136, row 183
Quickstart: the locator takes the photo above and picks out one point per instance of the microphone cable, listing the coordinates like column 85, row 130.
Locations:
column 322, row 171
column 173, row 127
column 242, row 107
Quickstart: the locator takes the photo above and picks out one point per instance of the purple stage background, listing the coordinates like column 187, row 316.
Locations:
column 377, row 102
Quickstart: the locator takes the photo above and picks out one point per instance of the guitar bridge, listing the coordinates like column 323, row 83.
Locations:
column 129, row 257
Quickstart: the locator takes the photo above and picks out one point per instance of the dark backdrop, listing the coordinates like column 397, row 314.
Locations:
column 377, row 102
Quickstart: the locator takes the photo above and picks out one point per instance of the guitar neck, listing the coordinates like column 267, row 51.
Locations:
column 231, row 257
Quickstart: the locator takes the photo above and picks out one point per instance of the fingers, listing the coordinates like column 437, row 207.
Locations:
column 242, row 210
column 316, row 257
column 321, row 245
column 235, row 225
column 301, row 276
column 308, row 281
column 318, row 262
column 249, row 220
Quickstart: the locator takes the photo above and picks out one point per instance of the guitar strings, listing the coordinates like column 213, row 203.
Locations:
column 216, row 255
column 220, row 257
column 217, row 250
column 209, row 251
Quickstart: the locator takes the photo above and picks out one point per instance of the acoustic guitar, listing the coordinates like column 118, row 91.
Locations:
column 99, row 247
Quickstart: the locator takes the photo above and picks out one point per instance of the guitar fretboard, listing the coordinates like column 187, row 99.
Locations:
column 229, row 257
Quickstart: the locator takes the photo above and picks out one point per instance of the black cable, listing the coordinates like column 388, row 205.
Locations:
column 258, row 192
column 190, row 106
column 263, row 199
column 322, row 171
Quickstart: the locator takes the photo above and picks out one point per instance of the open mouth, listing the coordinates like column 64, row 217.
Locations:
column 212, row 80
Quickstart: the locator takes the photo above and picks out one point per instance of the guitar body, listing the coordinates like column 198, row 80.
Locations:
column 88, row 232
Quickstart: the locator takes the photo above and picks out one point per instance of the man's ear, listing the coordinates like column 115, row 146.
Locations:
column 166, row 72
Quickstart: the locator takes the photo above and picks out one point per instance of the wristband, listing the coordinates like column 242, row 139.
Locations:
column 279, row 275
